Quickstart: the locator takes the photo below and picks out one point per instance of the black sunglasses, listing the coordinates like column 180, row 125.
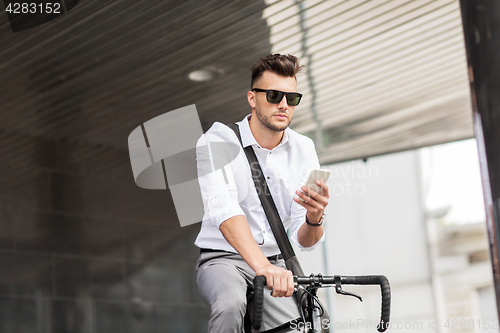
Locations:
column 275, row 96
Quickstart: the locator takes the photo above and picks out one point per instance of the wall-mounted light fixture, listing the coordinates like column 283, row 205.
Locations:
column 205, row 74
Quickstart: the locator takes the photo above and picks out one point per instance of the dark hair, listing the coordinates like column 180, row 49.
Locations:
column 284, row 65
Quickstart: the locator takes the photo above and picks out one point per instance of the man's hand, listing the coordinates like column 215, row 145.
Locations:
column 278, row 279
column 314, row 202
column 237, row 233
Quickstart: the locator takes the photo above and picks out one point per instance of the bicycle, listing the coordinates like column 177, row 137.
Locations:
column 311, row 308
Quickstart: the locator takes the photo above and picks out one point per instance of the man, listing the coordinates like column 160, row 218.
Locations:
column 236, row 240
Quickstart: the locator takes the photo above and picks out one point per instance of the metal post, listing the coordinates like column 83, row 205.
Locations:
column 481, row 23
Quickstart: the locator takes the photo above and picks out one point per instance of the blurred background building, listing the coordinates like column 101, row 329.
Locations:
column 418, row 218
column 83, row 249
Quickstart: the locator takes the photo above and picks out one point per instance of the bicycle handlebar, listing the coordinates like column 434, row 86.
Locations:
column 258, row 300
column 260, row 281
column 385, row 290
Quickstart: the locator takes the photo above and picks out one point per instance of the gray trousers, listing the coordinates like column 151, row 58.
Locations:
column 222, row 279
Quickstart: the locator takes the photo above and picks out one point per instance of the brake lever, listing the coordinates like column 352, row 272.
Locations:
column 338, row 289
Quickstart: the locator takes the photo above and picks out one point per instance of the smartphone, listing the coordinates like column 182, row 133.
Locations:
column 317, row 174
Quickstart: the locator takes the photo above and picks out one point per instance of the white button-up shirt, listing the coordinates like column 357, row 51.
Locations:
column 229, row 190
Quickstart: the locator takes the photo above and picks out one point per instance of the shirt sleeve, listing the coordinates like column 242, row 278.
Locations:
column 219, row 193
column 298, row 213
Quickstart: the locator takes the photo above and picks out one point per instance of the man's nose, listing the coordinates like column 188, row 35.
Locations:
column 283, row 104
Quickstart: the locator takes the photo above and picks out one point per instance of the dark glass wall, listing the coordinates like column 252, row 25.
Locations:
column 83, row 249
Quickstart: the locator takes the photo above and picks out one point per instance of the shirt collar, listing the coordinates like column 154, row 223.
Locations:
column 247, row 137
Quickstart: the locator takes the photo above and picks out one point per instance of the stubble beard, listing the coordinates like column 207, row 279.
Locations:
column 265, row 121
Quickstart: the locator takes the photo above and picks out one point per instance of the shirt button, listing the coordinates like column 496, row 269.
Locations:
column 268, row 177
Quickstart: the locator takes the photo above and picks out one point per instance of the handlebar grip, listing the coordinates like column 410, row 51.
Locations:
column 258, row 300
column 385, row 288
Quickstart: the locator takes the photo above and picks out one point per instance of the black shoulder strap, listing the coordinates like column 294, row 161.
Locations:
column 292, row 263
column 267, row 200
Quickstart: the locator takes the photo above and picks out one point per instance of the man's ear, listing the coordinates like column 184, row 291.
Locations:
column 251, row 99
